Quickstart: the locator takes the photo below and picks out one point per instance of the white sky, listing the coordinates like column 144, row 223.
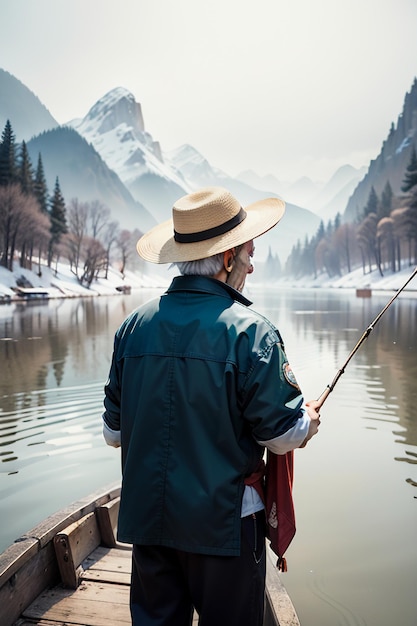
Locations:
column 288, row 87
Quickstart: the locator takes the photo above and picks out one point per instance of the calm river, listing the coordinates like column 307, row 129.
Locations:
column 353, row 561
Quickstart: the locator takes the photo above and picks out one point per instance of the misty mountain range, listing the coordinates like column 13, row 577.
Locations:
column 109, row 155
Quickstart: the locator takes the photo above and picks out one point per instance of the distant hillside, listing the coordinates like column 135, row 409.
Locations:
column 326, row 199
column 27, row 115
column 296, row 225
column 334, row 196
column 392, row 161
column 83, row 174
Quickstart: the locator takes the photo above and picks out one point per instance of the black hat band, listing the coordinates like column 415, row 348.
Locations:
column 210, row 233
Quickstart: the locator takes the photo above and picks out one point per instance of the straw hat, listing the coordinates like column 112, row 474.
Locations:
column 205, row 223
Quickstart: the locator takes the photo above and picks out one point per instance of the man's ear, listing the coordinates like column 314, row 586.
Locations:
column 228, row 260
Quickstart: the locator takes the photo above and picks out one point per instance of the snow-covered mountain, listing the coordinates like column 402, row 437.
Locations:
column 193, row 166
column 116, row 128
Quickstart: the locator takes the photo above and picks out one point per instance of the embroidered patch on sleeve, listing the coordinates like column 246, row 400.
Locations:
column 289, row 375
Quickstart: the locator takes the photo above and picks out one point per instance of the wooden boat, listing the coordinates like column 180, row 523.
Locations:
column 364, row 292
column 70, row 569
column 32, row 293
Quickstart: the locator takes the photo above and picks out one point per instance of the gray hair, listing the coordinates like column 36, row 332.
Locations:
column 202, row 267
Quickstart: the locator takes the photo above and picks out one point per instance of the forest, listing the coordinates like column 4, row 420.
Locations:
column 38, row 226
column 383, row 236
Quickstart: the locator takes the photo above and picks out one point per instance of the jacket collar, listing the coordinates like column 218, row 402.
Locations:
column 204, row 284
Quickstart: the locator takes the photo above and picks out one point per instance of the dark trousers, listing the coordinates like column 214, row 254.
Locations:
column 168, row 584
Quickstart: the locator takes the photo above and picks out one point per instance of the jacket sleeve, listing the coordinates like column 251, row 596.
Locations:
column 272, row 401
column 111, row 415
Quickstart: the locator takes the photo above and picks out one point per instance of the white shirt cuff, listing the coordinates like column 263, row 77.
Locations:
column 290, row 440
column 112, row 437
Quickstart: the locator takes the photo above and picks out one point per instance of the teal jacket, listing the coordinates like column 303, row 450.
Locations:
column 197, row 378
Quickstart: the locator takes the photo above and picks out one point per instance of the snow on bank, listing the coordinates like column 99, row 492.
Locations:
column 65, row 284
column 358, row 280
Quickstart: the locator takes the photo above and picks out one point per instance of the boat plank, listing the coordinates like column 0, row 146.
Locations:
column 25, row 585
column 108, row 565
column 109, row 558
column 120, row 578
column 89, row 605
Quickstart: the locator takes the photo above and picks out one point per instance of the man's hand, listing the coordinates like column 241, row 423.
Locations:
column 313, row 407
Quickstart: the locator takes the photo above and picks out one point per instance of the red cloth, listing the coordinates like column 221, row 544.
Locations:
column 280, row 515
column 276, row 493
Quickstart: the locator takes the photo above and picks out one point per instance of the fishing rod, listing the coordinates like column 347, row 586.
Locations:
column 365, row 335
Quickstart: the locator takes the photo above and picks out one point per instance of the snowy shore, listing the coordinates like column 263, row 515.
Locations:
column 65, row 284
column 358, row 280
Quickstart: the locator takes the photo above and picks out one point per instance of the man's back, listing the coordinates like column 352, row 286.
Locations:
column 186, row 447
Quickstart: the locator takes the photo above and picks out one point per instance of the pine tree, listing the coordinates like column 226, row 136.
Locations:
column 39, row 186
column 385, row 206
column 25, row 170
column 410, row 178
column 372, row 204
column 321, row 233
column 58, row 220
column 7, row 156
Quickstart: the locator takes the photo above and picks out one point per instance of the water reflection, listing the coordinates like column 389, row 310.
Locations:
column 48, row 346
column 326, row 326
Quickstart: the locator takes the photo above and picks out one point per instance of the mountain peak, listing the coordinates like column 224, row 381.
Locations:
column 116, row 107
column 185, row 155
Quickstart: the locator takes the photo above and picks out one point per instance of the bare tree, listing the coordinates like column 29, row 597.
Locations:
column 345, row 241
column 35, row 231
column 400, row 228
column 327, row 256
column 367, row 241
column 109, row 237
column 41, row 237
column 94, row 256
column 77, row 213
column 12, row 215
column 386, row 240
column 99, row 216
column 134, row 261
column 126, row 246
